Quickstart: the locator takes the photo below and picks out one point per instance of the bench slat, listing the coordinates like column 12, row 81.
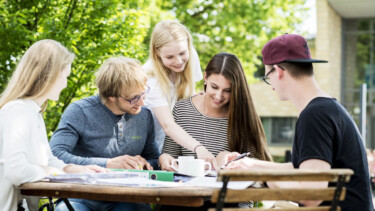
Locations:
column 259, row 194
column 286, row 175
column 324, row 208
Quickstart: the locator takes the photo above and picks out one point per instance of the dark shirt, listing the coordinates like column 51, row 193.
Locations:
column 326, row 131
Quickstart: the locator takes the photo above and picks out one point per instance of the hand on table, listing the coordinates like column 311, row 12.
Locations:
column 165, row 161
column 129, row 162
column 51, row 170
column 84, row 169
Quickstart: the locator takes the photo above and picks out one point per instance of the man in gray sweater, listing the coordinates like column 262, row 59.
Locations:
column 111, row 130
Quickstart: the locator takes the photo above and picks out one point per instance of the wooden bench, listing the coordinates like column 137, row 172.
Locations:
column 333, row 194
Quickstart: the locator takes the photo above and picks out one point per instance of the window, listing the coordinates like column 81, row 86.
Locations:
column 279, row 130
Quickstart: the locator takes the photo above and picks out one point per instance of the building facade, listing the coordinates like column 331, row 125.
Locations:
column 346, row 38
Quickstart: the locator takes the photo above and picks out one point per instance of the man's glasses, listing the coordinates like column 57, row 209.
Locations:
column 135, row 99
column 266, row 78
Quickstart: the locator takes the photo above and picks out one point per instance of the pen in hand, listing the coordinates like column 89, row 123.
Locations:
column 237, row 158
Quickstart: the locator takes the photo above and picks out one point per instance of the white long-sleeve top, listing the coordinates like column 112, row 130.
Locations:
column 24, row 149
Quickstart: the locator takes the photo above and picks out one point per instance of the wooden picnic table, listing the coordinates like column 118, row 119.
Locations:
column 178, row 196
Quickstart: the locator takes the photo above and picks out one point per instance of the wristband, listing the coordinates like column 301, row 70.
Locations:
column 195, row 148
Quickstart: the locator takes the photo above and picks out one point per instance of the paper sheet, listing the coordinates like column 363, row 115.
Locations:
column 213, row 183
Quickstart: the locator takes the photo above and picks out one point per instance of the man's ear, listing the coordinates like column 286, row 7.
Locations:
column 280, row 72
column 112, row 99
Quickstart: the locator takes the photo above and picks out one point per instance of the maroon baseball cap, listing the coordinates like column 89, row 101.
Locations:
column 288, row 48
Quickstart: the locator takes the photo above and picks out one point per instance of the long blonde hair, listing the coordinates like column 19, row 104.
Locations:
column 37, row 71
column 164, row 33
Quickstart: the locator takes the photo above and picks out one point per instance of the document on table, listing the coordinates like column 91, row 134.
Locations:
column 137, row 182
column 91, row 178
column 141, row 179
column 212, row 182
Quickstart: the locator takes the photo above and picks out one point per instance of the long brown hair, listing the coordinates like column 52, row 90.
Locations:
column 245, row 130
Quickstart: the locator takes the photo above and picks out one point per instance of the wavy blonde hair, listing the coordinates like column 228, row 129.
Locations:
column 117, row 74
column 164, row 33
column 37, row 71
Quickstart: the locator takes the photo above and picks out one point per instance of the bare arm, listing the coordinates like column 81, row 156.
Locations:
column 179, row 135
column 307, row 164
column 248, row 163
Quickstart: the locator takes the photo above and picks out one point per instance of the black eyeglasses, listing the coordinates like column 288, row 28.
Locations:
column 266, row 79
column 135, row 99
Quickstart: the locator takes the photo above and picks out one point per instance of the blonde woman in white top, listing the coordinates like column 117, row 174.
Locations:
column 172, row 71
column 25, row 155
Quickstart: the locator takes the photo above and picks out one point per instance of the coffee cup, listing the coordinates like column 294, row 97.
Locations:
column 190, row 166
column 197, row 168
column 183, row 165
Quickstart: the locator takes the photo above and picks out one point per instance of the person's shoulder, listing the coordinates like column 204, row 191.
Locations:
column 87, row 102
column 20, row 110
column 152, row 81
column 148, row 66
column 145, row 110
column 183, row 102
column 321, row 107
column 319, row 103
column 21, row 105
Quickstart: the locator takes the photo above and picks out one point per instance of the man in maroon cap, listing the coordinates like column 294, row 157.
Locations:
column 326, row 136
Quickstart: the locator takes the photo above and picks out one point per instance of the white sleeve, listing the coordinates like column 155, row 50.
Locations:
column 16, row 139
column 155, row 98
column 197, row 70
column 53, row 161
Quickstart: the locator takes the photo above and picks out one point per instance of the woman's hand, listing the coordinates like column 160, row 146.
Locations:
column 165, row 161
column 203, row 153
column 52, row 170
column 224, row 157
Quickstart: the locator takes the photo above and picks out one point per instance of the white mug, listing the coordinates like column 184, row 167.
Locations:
column 197, row 168
column 183, row 165
column 190, row 166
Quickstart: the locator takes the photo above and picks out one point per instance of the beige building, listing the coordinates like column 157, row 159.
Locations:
column 346, row 38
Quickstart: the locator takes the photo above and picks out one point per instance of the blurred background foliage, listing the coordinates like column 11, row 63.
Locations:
column 96, row 30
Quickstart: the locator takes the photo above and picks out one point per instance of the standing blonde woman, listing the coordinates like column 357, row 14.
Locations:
column 25, row 155
column 172, row 71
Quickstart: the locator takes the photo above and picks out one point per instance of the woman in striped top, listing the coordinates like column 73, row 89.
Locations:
column 223, row 120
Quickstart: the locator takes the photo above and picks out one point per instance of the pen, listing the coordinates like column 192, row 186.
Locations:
column 237, row 158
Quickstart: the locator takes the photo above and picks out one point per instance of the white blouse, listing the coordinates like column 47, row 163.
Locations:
column 23, row 149
column 156, row 98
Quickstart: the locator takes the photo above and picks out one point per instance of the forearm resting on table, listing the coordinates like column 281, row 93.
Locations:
column 307, row 164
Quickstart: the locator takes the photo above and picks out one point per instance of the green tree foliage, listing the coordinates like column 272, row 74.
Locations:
column 93, row 30
column 240, row 27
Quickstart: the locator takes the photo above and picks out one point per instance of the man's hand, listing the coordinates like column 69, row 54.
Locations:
column 224, row 157
column 244, row 163
column 128, row 162
column 203, row 153
column 165, row 161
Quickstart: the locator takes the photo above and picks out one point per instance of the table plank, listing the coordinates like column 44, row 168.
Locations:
column 179, row 196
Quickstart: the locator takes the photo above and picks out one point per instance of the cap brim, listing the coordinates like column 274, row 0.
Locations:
column 306, row 61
